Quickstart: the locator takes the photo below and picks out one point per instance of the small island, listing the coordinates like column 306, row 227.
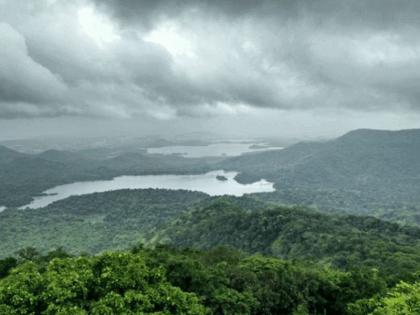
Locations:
column 221, row 178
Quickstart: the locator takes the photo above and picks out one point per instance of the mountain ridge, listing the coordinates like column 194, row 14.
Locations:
column 381, row 166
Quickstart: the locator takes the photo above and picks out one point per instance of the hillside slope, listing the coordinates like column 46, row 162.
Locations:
column 361, row 170
column 119, row 219
column 299, row 233
column 95, row 222
column 24, row 176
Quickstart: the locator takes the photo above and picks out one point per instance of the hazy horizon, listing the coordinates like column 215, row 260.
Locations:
column 288, row 69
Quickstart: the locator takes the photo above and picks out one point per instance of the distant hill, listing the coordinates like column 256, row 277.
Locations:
column 365, row 171
column 24, row 176
column 62, row 156
column 358, row 171
column 7, row 155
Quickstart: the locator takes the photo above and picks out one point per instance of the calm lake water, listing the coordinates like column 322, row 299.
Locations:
column 207, row 183
column 216, row 149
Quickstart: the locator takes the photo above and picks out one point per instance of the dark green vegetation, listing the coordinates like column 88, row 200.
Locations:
column 92, row 223
column 360, row 172
column 119, row 283
column 327, row 264
column 117, row 220
column 23, row 176
column 296, row 233
column 169, row 281
column 281, row 256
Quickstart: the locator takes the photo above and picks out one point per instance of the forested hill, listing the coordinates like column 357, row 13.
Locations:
column 24, row 176
column 95, row 222
column 299, row 233
column 8, row 155
column 117, row 220
column 314, row 263
column 359, row 171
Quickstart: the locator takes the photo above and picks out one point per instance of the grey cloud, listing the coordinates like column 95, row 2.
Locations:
column 21, row 78
column 291, row 55
column 313, row 52
column 379, row 14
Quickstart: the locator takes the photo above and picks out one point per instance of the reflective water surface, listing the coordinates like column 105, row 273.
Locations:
column 208, row 183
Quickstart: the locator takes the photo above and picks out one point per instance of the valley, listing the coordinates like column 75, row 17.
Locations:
column 343, row 207
column 366, row 172
column 209, row 157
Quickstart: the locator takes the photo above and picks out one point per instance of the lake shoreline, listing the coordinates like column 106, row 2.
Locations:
column 207, row 183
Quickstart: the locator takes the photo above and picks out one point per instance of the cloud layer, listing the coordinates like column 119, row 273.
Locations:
column 166, row 59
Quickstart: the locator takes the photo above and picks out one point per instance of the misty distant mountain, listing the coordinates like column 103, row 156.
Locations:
column 7, row 155
column 363, row 171
column 353, row 159
column 368, row 166
column 62, row 156
column 24, row 176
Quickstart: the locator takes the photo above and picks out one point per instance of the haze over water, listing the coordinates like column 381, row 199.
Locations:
column 215, row 149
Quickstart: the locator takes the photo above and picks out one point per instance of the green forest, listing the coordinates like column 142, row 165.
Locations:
column 209, row 157
column 202, row 255
column 117, row 220
column 165, row 280
column 340, row 235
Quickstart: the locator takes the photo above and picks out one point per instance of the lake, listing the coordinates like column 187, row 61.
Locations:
column 207, row 183
column 211, row 150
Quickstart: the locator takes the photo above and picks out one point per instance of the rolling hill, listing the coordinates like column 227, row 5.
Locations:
column 368, row 172
column 24, row 176
column 120, row 219
column 95, row 222
column 358, row 172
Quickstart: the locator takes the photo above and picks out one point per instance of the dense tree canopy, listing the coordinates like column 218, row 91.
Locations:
column 298, row 233
column 404, row 299
column 169, row 281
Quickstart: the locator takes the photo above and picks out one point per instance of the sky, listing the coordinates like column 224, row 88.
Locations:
column 278, row 68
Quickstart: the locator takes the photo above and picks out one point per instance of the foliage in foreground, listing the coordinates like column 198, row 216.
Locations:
column 169, row 281
column 114, row 283
column 404, row 299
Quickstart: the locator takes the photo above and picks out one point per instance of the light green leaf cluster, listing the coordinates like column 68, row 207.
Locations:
column 113, row 283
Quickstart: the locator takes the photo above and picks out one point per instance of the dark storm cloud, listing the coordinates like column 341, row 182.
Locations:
column 376, row 14
column 230, row 56
column 148, row 12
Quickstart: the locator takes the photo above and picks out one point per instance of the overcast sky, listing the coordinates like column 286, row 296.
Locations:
column 234, row 67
